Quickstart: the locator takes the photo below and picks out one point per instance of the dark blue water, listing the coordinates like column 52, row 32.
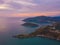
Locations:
column 12, row 26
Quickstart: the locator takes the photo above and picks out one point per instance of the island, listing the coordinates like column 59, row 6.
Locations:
column 42, row 19
column 30, row 25
column 49, row 31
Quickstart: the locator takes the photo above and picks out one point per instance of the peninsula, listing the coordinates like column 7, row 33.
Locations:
column 49, row 31
column 30, row 25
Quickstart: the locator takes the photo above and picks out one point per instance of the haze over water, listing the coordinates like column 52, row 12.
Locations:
column 12, row 26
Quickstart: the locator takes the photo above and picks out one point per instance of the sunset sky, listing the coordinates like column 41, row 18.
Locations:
column 19, row 8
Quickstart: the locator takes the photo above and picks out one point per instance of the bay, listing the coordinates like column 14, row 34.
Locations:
column 10, row 26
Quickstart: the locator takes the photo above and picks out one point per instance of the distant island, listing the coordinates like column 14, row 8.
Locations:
column 51, row 31
column 30, row 25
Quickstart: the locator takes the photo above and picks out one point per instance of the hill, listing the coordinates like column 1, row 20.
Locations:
column 43, row 19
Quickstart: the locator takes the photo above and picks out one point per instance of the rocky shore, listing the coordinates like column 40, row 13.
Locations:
column 49, row 31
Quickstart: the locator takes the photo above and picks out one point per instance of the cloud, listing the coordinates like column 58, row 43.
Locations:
column 32, row 5
column 29, row 6
column 4, row 6
column 25, row 3
column 18, row 5
column 1, row 2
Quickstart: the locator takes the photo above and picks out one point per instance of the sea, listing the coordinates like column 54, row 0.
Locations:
column 10, row 26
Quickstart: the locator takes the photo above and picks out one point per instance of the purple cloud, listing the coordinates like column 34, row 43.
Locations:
column 1, row 2
column 31, row 5
column 15, row 5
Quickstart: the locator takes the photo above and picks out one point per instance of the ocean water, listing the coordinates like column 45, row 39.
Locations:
column 12, row 26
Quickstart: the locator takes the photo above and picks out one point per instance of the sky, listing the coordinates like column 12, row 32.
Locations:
column 22, row 8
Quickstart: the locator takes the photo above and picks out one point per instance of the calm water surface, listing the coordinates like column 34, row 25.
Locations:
column 12, row 26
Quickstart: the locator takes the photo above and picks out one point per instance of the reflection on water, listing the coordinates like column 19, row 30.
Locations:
column 10, row 27
column 8, row 24
column 3, row 24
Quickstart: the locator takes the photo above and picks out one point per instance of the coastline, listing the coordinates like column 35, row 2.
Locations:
column 46, row 32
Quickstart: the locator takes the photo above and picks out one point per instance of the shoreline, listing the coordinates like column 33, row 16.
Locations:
column 46, row 32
